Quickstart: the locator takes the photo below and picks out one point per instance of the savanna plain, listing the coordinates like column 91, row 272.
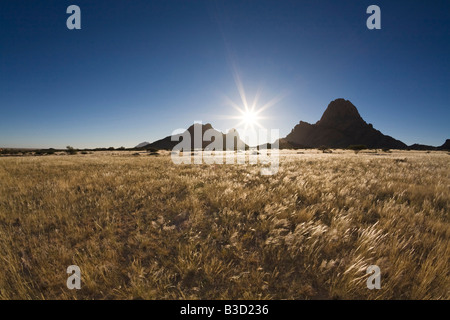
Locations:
column 141, row 227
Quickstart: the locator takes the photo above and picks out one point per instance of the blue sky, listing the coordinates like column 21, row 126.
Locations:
column 137, row 70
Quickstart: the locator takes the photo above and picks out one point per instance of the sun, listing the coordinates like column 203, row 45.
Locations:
column 249, row 114
column 249, row 118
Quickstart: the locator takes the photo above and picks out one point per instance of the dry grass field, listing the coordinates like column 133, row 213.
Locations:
column 140, row 227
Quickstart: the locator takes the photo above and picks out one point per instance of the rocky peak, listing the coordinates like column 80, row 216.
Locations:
column 204, row 127
column 338, row 112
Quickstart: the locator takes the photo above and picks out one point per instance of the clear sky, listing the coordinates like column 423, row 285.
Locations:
column 137, row 70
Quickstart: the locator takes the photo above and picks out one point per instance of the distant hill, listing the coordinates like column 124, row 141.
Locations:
column 167, row 143
column 422, row 147
column 340, row 126
column 416, row 146
column 142, row 145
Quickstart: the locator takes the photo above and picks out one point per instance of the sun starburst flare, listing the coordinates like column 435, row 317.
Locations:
column 249, row 116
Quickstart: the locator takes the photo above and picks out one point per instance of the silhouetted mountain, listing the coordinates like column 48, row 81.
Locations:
column 445, row 146
column 168, row 144
column 340, row 126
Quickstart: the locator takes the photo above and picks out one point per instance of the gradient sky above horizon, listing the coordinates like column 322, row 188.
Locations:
column 138, row 70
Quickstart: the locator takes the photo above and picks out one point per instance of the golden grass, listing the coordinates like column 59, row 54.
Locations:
column 142, row 227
